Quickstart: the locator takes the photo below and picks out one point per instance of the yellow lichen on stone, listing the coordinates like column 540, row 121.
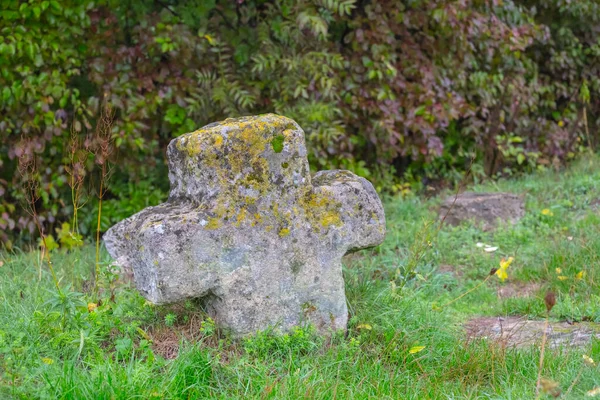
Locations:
column 330, row 218
column 190, row 145
column 284, row 232
column 218, row 140
column 241, row 217
column 321, row 209
column 213, row 223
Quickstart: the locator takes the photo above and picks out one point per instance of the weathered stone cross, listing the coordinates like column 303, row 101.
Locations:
column 248, row 230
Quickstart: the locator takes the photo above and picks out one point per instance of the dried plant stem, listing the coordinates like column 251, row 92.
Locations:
column 541, row 365
column 40, row 230
column 76, row 173
column 566, row 395
column 104, row 149
column 587, row 130
column 27, row 169
column 100, row 195
column 467, row 292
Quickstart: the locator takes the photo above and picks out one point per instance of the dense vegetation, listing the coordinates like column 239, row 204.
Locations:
column 393, row 90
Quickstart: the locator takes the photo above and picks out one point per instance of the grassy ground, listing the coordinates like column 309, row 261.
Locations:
column 52, row 346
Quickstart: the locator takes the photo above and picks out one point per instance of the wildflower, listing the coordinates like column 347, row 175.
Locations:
column 547, row 212
column 504, row 264
column 92, row 307
column 47, row 361
column 589, row 361
column 562, row 278
column 580, row 275
column 558, row 270
column 364, row 326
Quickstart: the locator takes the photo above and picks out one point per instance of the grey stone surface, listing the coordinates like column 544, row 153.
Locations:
column 486, row 209
column 521, row 332
column 248, row 230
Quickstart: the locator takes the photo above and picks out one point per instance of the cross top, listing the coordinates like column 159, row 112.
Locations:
column 249, row 155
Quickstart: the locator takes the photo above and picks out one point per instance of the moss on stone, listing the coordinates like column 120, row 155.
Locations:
column 277, row 143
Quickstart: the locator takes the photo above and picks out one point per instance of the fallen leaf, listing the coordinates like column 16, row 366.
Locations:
column 550, row 387
column 589, row 361
column 550, row 300
column 144, row 334
column 416, row 349
column 594, row 392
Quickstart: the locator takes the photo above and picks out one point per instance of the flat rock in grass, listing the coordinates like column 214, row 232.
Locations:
column 521, row 332
column 248, row 230
column 486, row 209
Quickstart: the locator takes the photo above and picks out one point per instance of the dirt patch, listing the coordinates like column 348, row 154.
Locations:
column 518, row 289
column 521, row 332
column 166, row 340
column 450, row 269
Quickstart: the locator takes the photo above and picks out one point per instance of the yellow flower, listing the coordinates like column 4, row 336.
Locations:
column 47, row 361
column 547, row 212
column 561, row 123
column 558, row 270
column 504, row 264
column 92, row 307
column 562, row 278
column 364, row 326
column 580, row 275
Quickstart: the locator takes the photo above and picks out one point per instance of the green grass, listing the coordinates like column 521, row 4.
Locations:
column 52, row 347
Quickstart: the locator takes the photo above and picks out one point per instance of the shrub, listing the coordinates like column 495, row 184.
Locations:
column 407, row 88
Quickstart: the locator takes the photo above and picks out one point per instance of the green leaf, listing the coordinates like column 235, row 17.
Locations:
column 6, row 93
column 55, row 5
column 419, row 111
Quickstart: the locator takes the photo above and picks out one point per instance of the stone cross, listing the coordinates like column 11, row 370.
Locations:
column 248, row 230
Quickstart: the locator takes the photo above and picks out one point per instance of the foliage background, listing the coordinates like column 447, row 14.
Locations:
column 396, row 91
